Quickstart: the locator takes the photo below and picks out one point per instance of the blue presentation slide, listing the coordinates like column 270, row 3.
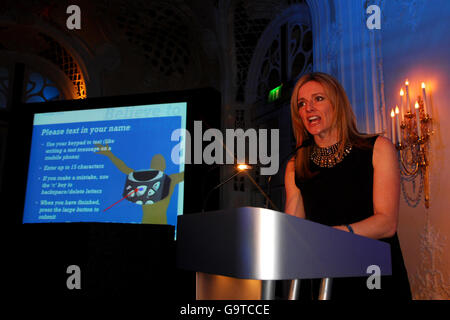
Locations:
column 106, row 165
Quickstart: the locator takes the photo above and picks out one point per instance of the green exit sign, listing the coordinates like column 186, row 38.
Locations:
column 275, row 93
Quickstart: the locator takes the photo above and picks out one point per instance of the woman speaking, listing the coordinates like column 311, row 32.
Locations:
column 344, row 179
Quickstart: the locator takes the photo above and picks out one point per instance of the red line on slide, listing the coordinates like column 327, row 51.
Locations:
column 135, row 190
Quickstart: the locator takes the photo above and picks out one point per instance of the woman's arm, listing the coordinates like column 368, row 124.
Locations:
column 294, row 200
column 386, row 194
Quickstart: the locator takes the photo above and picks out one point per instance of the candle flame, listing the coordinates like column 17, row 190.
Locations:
column 401, row 92
column 423, row 85
column 416, row 105
column 392, row 113
column 407, row 82
column 397, row 110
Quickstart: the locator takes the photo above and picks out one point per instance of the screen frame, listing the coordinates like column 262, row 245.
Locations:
column 202, row 105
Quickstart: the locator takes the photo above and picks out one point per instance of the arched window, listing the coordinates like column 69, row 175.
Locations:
column 284, row 52
column 50, row 71
column 40, row 89
column 287, row 58
column 272, row 43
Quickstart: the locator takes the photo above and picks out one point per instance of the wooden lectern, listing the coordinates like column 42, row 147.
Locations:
column 237, row 253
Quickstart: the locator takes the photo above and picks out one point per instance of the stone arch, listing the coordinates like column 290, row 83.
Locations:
column 45, row 50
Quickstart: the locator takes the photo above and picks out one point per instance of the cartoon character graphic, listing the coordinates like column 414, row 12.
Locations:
column 154, row 187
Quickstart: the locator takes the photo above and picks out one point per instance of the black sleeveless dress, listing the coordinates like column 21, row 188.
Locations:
column 343, row 195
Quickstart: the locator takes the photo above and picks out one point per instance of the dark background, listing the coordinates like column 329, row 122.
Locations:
column 116, row 259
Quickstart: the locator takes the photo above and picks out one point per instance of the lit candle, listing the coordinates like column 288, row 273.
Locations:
column 401, row 103
column 408, row 103
column 419, row 131
column 425, row 109
column 393, row 126
column 397, row 111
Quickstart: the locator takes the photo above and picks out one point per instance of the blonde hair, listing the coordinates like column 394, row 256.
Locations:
column 343, row 119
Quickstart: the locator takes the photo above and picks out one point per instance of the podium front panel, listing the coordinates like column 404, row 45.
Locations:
column 256, row 243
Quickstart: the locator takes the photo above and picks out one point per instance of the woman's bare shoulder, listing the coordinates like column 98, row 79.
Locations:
column 383, row 150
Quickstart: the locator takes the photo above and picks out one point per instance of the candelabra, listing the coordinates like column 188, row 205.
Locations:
column 414, row 129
